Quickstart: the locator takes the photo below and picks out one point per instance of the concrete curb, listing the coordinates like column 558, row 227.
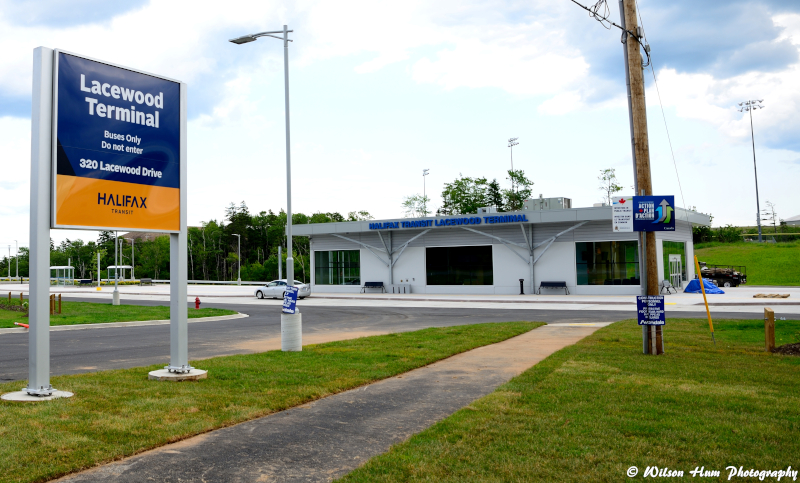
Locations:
column 133, row 323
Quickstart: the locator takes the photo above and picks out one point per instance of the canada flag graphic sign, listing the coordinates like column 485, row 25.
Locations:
column 622, row 214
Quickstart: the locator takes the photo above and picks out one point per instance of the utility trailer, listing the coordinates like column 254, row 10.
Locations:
column 724, row 275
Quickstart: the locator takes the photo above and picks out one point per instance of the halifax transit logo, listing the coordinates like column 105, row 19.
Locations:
column 125, row 201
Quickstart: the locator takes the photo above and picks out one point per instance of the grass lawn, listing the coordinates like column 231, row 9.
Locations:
column 39, row 441
column 95, row 313
column 592, row 410
column 767, row 263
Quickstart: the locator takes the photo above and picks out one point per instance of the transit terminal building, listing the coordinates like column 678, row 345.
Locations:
column 488, row 252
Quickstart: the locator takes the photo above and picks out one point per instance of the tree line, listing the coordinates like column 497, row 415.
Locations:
column 466, row 194
column 213, row 249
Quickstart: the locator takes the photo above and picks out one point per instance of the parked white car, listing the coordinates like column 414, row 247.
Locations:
column 275, row 289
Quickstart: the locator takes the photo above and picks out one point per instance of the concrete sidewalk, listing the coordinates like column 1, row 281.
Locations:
column 326, row 439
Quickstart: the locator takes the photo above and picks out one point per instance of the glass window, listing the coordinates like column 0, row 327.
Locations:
column 342, row 267
column 607, row 263
column 674, row 248
column 459, row 265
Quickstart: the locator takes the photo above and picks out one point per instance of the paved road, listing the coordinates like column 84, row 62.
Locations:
column 114, row 348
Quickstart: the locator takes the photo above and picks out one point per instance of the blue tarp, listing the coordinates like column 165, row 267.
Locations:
column 694, row 287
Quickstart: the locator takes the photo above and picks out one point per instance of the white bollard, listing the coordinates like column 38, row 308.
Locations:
column 292, row 332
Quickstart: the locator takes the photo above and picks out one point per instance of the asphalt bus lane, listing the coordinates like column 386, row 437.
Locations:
column 97, row 349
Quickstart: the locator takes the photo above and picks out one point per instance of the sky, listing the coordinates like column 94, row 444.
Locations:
column 380, row 91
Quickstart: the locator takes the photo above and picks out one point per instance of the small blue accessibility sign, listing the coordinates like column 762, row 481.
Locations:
column 290, row 300
column 650, row 310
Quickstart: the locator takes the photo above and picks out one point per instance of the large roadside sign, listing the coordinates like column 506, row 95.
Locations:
column 116, row 149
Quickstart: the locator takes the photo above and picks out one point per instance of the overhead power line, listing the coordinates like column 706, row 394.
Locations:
column 663, row 115
column 595, row 13
column 607, row 23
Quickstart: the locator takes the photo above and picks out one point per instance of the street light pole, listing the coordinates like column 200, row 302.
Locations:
column 289, row 259
column 291, row 322
column 285, row 37
column 511, row 143
column 239, row 262
column 424, row 192
column 16, row 256
column 749, row 106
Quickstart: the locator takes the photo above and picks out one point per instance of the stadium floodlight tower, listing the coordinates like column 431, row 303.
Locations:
column 749, row 107
column 511, row 143
column 285, row 37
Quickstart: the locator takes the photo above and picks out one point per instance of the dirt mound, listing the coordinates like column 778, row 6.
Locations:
column 789, row 349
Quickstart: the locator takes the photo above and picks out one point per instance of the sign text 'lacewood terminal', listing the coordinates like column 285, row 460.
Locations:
column 117, row 147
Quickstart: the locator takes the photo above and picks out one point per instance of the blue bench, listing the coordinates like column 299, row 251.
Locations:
column 372, row 285
column 556, row 285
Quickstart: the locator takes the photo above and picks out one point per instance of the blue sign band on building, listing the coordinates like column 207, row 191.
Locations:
column 653, row 213
column 465, row 220
column 650, row 310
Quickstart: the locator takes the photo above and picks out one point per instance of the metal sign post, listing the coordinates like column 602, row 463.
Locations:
column 108, row 152
column 41, row 163
column 178, row 255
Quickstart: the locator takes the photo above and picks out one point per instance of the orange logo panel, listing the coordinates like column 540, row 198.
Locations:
column 93, row 202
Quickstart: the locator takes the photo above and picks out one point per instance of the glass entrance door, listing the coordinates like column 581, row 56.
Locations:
column 675, row 270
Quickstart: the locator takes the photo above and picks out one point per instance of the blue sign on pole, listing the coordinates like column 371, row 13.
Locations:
column 650, row 310
column 290, row 300
column 653, row 213
column 117, row 148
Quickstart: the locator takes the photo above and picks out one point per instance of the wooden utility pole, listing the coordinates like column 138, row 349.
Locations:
column 641, row 148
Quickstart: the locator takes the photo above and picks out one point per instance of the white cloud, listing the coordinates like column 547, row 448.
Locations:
column 475, row 43
column 539, row 52
column 715, row 101
column 15, row 140
column 179, row 39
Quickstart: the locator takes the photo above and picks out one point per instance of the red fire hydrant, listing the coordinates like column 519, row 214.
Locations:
column 197, row 302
